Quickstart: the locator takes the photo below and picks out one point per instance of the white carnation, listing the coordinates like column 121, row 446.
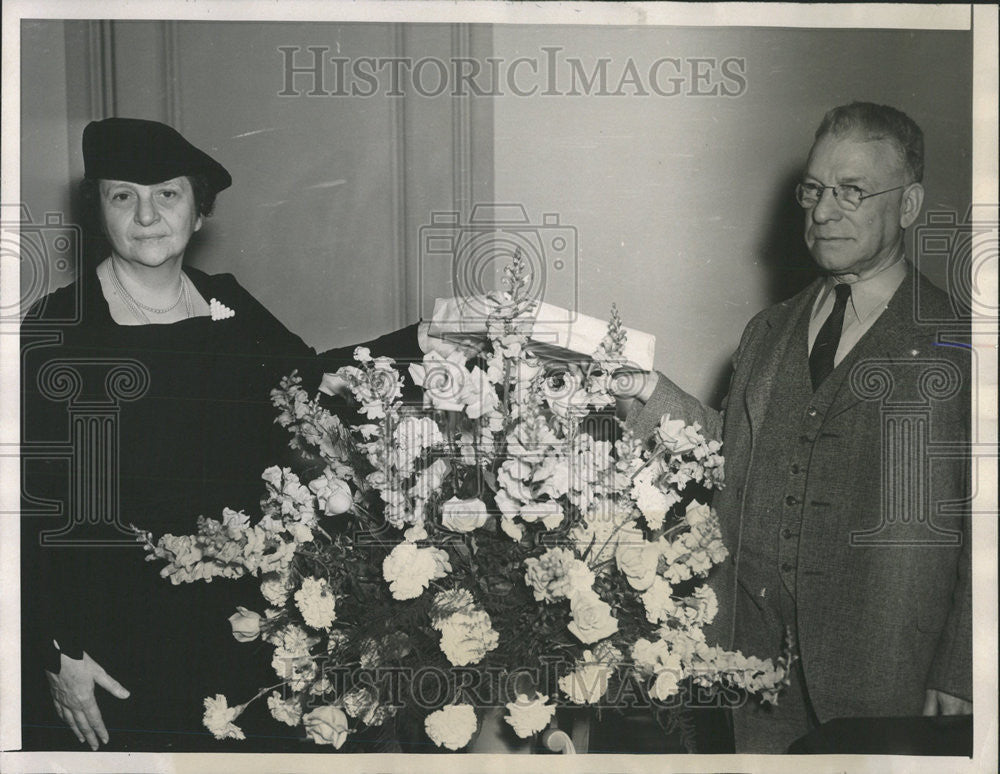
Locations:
column 275, row 587
column 409, row 569
column 529, row 716
column 219, row 717
column 316, row 602
column 467, row 637
column 284, row 711
column 452, row 727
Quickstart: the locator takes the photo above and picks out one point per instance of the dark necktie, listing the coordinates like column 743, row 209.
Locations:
column 825, row 347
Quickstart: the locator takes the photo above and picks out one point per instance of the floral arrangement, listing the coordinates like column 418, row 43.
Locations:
column 505, row 539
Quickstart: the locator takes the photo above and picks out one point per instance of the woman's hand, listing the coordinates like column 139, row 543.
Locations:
column 74, row 699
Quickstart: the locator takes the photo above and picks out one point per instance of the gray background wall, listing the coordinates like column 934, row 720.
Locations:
column 681, row 206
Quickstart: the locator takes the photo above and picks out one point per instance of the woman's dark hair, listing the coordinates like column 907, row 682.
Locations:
column 90, row 198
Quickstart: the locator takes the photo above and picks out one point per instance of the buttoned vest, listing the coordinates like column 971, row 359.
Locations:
column 774, row 504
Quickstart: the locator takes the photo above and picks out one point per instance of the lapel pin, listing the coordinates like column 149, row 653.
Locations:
column 219, row 310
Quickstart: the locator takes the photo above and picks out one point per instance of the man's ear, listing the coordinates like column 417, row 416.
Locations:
column 912, row 201
column 199, row 221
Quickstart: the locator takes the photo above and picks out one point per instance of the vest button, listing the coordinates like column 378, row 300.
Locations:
column 795, row 467
column 791, row 500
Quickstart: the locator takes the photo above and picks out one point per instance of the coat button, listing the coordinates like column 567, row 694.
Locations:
column 786, row 533
column 811, row 411
column 786, row 567
column 795, row 467
column 791, row 500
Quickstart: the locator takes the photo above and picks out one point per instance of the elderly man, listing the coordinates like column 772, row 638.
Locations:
column 832, row 511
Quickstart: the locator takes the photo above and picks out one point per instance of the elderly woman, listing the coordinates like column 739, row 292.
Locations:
column 122, row 657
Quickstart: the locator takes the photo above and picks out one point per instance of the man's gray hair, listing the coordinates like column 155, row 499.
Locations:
column 879, row 122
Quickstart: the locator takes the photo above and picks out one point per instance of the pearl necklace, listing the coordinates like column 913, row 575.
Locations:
column 137, row 308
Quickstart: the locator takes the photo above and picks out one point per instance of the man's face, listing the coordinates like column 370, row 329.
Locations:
column 149, row 224
column 870, row 238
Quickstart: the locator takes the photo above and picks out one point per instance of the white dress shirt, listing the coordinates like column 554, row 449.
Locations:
column 869, row 298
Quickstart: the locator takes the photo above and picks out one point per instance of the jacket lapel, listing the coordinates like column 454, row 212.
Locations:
column 782, row 326
column 889, row 339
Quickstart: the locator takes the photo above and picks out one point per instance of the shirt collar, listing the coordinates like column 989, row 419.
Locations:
column 871, row 295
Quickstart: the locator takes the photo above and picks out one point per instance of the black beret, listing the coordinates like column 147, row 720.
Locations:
column 145, row 152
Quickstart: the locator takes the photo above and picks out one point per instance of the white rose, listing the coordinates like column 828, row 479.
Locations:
column 452, row 727
column 637, row 558
column 333, row 494
column 246, row 624
column 592, row 619
column 529, row 716
column 463, row 515
column 443, row 380
column 326, row 725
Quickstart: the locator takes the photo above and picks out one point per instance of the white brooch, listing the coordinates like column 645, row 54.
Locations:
column 219, row 310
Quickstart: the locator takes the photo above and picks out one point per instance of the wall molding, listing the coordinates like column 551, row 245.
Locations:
column 461, row 130
column 101, row 69
column 171, row 74
column 397, row 115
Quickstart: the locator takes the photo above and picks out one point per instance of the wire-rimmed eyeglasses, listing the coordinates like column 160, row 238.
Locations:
column 849, row 197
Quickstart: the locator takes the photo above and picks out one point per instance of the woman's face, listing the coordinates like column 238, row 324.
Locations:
column 149, row 225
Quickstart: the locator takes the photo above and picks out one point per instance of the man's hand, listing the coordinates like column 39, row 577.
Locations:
column 941, row 703
column 73, row 696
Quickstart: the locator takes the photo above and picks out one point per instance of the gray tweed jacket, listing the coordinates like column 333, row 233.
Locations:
column 880, row 621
